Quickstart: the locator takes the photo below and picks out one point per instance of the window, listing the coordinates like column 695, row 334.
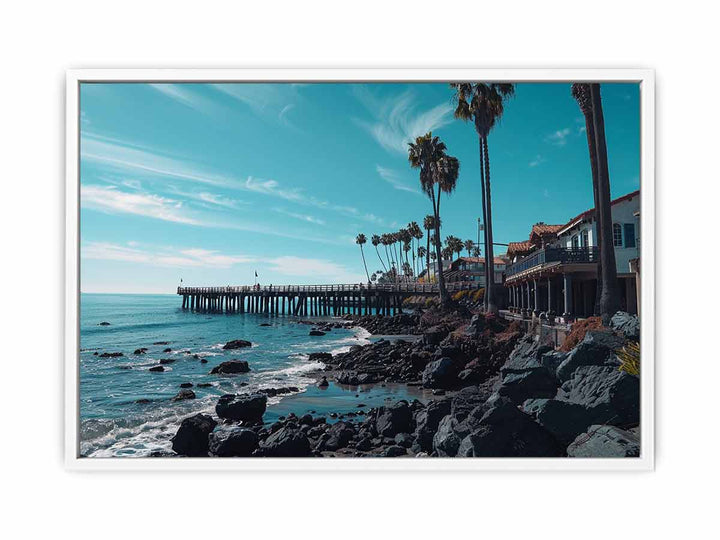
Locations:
column 575, row 241
column 617, row 235
column 584, row 239
column 629, row 235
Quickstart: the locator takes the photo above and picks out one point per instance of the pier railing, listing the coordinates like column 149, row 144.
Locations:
column 554, row 254
column 420, row 288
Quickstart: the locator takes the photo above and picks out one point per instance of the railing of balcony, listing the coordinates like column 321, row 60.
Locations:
column 554, row 254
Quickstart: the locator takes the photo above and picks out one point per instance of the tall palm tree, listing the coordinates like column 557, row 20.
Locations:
column 360, row 240
column 483, row 104
column 428, row 224
column 610, row 294
column 581, row 93
column 428, row 154
column 454, row 244
column 422, row 254
column 385, row 241
column 416, row 234
column 476, row 251
column 469, row 245
column 375, row 240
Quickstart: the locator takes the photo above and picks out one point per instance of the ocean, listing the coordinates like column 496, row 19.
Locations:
column 127, row 410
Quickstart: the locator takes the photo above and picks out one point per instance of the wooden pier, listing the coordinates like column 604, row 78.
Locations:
column 310, row 300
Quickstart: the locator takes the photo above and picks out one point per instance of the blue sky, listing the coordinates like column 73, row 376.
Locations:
column 210, row 182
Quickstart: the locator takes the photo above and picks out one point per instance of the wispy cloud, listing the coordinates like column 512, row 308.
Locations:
column 109, row 199
column 271, row 101
column 184, row 95
column 318, row 269
column 162, row 256
column 397, row 120
column 302, row 217
column 393, row 178
column 537, row 161
column 559, row 137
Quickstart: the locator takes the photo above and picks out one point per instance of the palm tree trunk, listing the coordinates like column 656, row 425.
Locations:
column 427, row 258
column 365, row 265
column 610, row 295
column 381, row 261
column 489, row 254
column 484, row 213
column 444, row 298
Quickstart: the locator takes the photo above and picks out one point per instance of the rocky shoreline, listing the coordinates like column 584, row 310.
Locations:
column 496, row 393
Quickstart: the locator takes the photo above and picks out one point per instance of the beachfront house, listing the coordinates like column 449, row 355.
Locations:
column 473, row 269
column 554, row 273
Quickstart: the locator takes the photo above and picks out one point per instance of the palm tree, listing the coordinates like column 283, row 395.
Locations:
column 375, row 240
column 581, row 93
column 422, row 253
column 360, row 240
column 428, row 224
column 610, row 294
column 428, row 154
column 469, row 245
column 476, row 251
column 454, row 244
column 385, row 241
column 484, row 105
column 416, row 234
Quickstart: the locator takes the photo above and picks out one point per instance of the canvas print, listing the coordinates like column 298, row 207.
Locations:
column 346, row 270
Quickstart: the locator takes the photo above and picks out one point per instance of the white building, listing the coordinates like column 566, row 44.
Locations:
column 556, row 270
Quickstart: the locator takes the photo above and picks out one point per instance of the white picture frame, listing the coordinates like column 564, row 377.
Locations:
column 644, row 77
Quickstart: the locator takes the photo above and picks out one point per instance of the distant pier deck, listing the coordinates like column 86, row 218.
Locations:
column 311, row 300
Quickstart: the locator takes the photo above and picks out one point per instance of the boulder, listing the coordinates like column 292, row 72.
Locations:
column 394, row 419
column 609, row 395
column 165, row 361
column 427, row 421
column 236, row 344
column 563, row 419
column 347, row 377
column 467, row 399
column 104, row 323
column 111, row 355
column 534, row 383
column 446, row 440
column 141, row 350
column 320, row 357
column 244, row 407
column 184, row 394
column 186, row 385
column 605, row 442
column 157, row 369
column 440, row 374
column 628, row 325
column 526, row 356
column 323, row 383
column 394, row 451
column 316, row 333
column 435, row 334
column 596, row 349
column 230, row 367
column 286, row 442
column 340, row 434
column 236, row 442
column 192, row 437
column 504, row 431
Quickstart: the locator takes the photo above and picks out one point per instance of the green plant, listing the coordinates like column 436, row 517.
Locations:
column 629, row 357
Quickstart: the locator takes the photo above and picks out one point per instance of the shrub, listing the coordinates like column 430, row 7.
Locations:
column 578, row 331
column 630, row 358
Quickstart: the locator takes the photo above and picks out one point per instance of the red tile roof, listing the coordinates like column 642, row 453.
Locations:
column 542, row 229
column 519, row 248
column 498, row 260
column 588, row 213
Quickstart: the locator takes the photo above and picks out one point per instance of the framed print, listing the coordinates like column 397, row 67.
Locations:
column 365, row 269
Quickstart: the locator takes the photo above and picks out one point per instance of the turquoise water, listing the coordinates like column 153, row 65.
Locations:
column 113, row 423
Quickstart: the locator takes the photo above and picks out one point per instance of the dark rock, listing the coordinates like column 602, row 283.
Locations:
column 265, row 324
column 394, row 419
column 204, row 385
column 165, row 361
column 364, row 444
column 143, row 400
column 186, row 385
column 192, row 437
column 563, row 419
column 596, row 349
column 467, row 399
column 161, row 343
column 316, row 333
column 236, row 344
column 340, row 434
column 534, row 383
column 610, row 396
column 440, row 374
column 446, row 441
column 404, row 439
column 236, row 442
column 230, row 367
column 320, row 357
column 306, row 419
column 244, row 407
column 203, row 361
column 605, row 442
column 286, row 442
column 157, row 369
column 111, row 355
column 347, row 377
column 526, row 356
column 504, row 431
column 427, row 422
column 323, row 383
column 141, row 350
column 168, row 349
column 184, row 394
column 104, row 323
column 435, row 334
column 394, row 451
column 626, row 324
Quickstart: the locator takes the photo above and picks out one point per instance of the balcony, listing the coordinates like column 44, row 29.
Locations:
column 555, row 255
